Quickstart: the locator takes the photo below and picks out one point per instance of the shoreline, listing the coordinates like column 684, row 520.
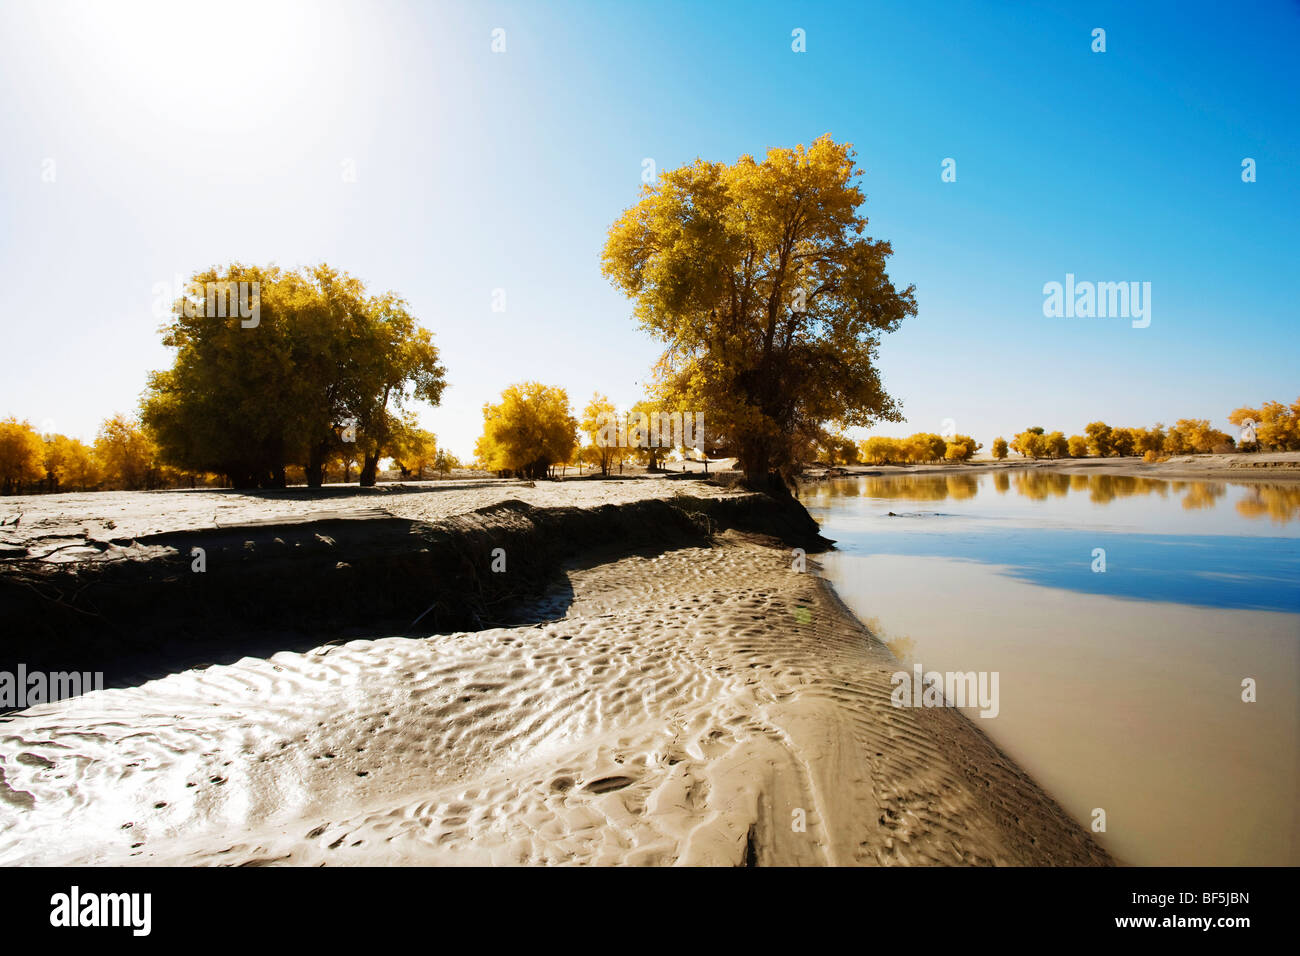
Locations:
column 687, row 700
column 1280, row 466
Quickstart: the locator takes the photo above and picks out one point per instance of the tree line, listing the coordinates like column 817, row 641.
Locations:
column 1274, row 427
column 124, row 457
column 533, row 433
column 121, row 456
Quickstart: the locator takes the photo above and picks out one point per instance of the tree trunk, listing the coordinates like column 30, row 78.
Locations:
column 369, row 470
column 316, row 465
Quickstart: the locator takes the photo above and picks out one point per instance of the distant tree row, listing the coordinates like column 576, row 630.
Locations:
column 1271, row 427
column 919, row 448
column 533, row 433
column 121, row 457
column 124, row 457
column 1185, row 437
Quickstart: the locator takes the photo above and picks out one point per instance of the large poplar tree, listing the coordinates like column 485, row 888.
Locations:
column 769, row 298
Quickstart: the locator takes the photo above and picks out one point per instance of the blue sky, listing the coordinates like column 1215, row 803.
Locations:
column 186, row 135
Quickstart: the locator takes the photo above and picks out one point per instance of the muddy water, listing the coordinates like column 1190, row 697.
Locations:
column 1122, row 616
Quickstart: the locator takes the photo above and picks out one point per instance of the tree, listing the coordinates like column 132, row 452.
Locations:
column 413, row 449
column 1030, row 443
column 1176, row 442
column 235, row 399
column 1055, row 445
column 22, row 456
column 81, row 466
column 838, row 449
column 1077, row 446
column 880, row 450
column 445, row 462
column 999, row 448
column 1150, row 439
column 1123, row 441
column 599, row 423
column 926, row 447
column 530, row 429
column 1196, row 435
column 397, row 362
column 68, row 460
column 769, row 299
column 960, row 448
column 1099, row 438
column 321, row 365
column 126, row 454
column 1277, row 426
column 652, row 451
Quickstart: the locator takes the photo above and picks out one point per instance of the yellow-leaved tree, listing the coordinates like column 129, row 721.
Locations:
column 768, row 296
column 528, row 431
column 960, row 448
column 1031, row 443
column 599, row 424
column 69, row 461
column 22, row 456
column 321, row 372
column 1276, row 427
column 414, row 449
column 1196, row 435
column 126, row 454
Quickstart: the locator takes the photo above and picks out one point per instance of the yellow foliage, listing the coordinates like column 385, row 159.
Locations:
column 528, row 431
column 600, row 424
column 126, row 454
column 22, row 456
column 70, row 461
column 768, row 296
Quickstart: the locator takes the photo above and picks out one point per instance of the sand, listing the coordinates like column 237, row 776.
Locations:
column 704, row 705
column 67, row 521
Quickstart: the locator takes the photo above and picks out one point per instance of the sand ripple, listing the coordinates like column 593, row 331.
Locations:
column 690, row 708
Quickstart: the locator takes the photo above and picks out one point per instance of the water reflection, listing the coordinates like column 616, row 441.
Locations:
column 1189, row 542
column 1281, row 503
column 1277, row 502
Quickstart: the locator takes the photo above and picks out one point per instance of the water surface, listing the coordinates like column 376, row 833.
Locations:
column 1122, row 615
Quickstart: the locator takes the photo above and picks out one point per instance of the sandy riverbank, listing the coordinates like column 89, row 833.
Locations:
column 693, row 702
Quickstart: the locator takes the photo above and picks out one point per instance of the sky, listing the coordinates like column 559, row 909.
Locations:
column 144, row 141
